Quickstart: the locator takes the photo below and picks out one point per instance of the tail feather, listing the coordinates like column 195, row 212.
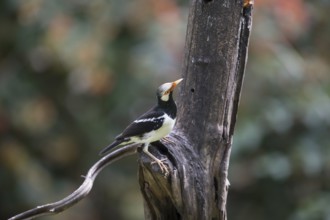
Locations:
column 112, row 145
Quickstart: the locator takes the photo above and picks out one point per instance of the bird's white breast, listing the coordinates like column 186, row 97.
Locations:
column 163, row 131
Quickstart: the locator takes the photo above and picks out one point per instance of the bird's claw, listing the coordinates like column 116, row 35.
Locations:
column 162, row 166
column 167, row 140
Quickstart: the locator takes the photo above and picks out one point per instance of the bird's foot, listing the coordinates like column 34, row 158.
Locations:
column 160, row 162
column 161, row 165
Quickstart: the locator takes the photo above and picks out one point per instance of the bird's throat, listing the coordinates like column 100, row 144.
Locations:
column 169, row 106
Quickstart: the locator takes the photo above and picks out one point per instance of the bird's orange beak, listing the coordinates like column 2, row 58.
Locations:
column 174, row 84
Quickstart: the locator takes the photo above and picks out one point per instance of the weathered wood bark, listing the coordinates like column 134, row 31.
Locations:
column 198, row 150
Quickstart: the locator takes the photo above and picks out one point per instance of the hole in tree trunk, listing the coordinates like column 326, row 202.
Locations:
column 207, row 1
column 215, row 182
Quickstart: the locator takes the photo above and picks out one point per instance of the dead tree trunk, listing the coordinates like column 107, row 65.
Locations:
column 198, row 150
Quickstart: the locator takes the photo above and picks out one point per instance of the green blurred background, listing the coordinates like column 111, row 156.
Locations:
column 74, row 73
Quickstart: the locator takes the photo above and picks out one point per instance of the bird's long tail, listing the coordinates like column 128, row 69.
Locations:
column 112, row 145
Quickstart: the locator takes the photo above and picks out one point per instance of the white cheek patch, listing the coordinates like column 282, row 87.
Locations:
column 165, row 97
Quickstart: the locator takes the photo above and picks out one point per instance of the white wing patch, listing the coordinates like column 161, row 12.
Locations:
column 148, row 119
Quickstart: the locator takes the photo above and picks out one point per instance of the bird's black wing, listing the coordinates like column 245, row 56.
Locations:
column 151, row 120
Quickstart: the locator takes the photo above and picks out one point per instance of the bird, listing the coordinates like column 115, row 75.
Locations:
column 151, row 126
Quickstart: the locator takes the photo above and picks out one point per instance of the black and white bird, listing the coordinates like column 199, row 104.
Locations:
column 153, row 125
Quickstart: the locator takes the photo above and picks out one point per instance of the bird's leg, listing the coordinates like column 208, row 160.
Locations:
column 160, row 163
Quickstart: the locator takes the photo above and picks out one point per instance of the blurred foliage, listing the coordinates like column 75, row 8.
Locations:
column 73, row 73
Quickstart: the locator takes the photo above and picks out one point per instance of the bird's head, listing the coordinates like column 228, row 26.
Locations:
column 166, row 89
